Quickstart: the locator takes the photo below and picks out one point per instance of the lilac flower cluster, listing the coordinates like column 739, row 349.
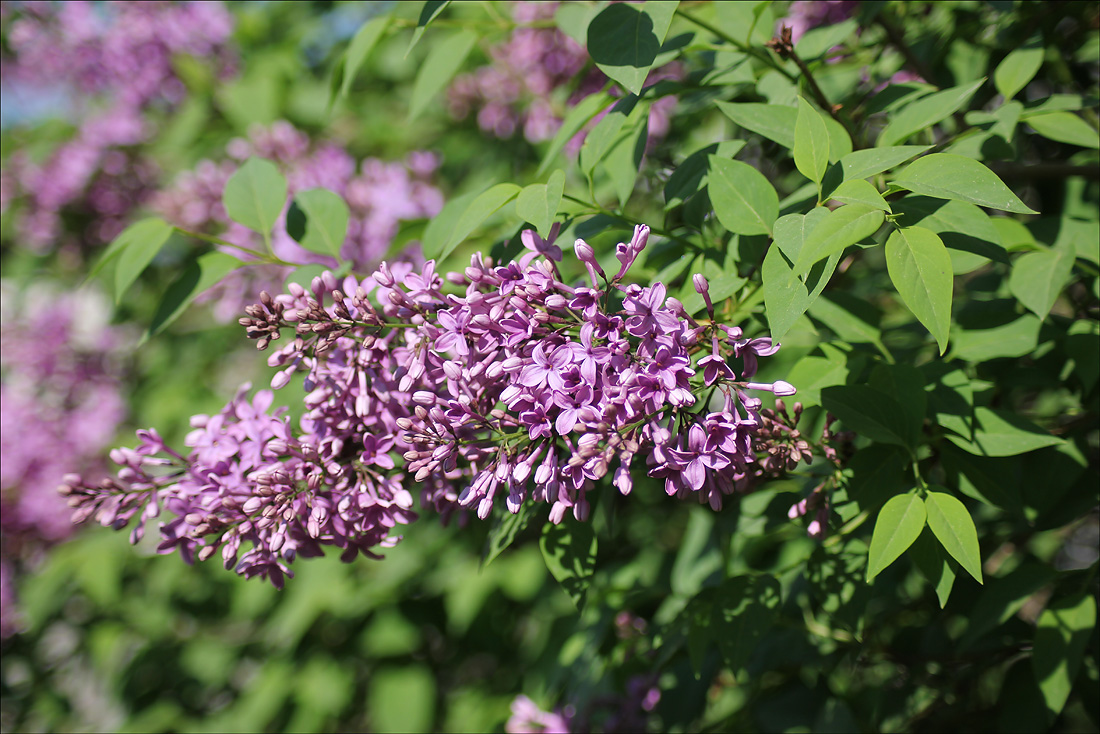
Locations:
column 499, row 381
column 115, row 62
column 59, row 388
column 534, row 77
column 380, row 195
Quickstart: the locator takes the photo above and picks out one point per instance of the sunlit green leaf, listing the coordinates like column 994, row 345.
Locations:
column 899, row 523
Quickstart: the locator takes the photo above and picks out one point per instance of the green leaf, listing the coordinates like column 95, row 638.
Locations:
column 624, row 159
column 843, row 227
column 255, row 195
column 442, row 226
column 200, row 275
column 1017, row 69
column 967, row 231
column 627, row 112
column 852, row 319
column 993, row 481
column 1001, row 433
column 506, row 527
column 480, row 209
column 865, row 163
column 1063, row 633
column 930, row 560
column 574, row 120
column 871, row 413
column 1014, row 339
column 774, row 122
column 428, row 12
column 947, row 176
column 819, row 41
column 538, row 203
column 926, row 112
column 920, row 269
column 1065, row 127
column 318, row 221
column 573, row 19
column 359, row 49
column 951, row 523
column 904, row 383
column 1038, row 278
column 743, row 199
column 858, row 191
column 134, row 248
column 786, row 298
column 745, row 608
column 443, row 62
column 899, row 524
column 569, row 550
column 811, row 143
column 624, row 40
column 692, row 174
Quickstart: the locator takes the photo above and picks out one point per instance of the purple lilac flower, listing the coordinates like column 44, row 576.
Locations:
column 59, row 388
column 379, row 194
column 528, row 718
column 537, row 406
column 115, row 63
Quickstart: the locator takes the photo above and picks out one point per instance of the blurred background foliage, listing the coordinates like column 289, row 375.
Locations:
column 431, row 638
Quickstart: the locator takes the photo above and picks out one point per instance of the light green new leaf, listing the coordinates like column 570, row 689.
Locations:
column 538, row 203
column 134, row 249
column 429, row 11
column 574, row 120
column 1016, row 70
column 792, row 230
column 359, row 49
column 864, row 163
column 926, row 112
column 819, row 41
column 1065, row 127
column 438, row 233
column 951, row 522
column 811, row 143
column 480, row 209
column 1001, row 433
column 920, row 269
column 443, row 62
column 947, row 176
column 318, row 221
column 1061, row 637
column 624, row 159
column 1038, row 277
column 744, row 201
column 255, row 195
column 858, row 191
column 843, row 227
column 899, row 523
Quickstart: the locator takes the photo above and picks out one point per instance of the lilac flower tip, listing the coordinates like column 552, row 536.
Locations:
column 783, row 389
column 700, row 283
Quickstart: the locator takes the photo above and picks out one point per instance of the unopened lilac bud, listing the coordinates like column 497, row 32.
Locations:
column 584, row 252
column 423, row 397
column 700, row 283
column 784, row 388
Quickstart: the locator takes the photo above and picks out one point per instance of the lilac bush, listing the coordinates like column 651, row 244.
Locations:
column 115, row 63
column 60, row 388
column 495, row 383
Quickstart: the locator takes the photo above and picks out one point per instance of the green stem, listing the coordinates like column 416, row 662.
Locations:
column 739, row 45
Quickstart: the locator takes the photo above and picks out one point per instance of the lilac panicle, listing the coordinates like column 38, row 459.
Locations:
column 500, row 383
